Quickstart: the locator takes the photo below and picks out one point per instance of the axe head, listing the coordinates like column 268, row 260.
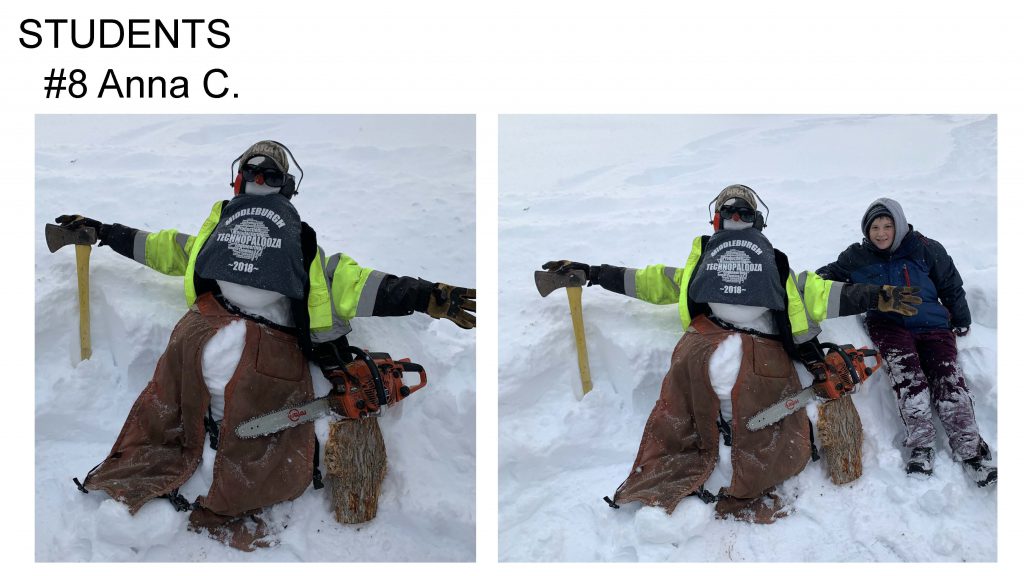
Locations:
column 58, row 237
column 548, row 282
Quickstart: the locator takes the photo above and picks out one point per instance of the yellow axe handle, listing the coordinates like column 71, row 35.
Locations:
column 576, row 311
column 82, row 252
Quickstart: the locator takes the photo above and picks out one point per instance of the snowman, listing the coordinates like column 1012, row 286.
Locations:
column 732, row 268
column 244, row 241
column 263, row 299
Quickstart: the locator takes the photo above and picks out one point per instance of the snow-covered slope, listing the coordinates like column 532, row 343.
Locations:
column 632, row 191
column 394, row 192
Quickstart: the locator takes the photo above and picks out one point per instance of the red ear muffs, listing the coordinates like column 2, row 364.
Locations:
column 238, row 184
column 717, row 222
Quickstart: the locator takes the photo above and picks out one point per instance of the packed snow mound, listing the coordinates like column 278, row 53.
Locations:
column 371, row 184
column 633, row 191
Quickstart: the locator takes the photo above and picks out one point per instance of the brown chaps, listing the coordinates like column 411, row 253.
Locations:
column 679, row 447
column 161, row 443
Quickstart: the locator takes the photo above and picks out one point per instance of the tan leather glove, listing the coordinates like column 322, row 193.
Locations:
column 899, row 299
column 453, row 303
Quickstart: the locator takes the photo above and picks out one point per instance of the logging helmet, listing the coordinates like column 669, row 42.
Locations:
column 737, row 203
column 264, row 167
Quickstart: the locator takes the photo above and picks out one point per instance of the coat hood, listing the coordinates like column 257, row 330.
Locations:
column 886, row 207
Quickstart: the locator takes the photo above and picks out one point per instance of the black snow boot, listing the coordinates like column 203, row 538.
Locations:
column 980, row 472
column 921, row 460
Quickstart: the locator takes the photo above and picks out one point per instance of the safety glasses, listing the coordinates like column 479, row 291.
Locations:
column 271, row 176
column 745, row 214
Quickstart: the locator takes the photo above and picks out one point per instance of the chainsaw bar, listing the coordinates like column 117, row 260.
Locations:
column 781, row 409
column 284, row 418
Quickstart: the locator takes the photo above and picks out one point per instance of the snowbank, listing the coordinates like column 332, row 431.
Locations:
column 394, row 192
column 632, row 191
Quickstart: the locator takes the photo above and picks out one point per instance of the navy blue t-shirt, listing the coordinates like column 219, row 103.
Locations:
column 257, row 243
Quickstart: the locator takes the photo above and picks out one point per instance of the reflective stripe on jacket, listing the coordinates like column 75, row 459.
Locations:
column 809, row 298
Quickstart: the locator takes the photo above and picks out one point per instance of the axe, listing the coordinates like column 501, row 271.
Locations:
column 83, row 238
column 548, row 282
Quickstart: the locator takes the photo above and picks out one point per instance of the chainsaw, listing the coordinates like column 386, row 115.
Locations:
column 359, row 389
column 841, row 370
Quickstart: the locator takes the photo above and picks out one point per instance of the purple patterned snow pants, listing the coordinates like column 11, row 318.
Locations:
column 925, row 375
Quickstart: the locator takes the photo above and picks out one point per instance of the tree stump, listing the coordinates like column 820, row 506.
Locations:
column 356, row 461
column 841, row 435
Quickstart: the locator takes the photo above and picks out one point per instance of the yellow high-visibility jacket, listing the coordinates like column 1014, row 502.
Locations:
column 809, row 298
column 339, row 289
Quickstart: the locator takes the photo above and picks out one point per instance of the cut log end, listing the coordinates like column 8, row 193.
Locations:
column 356, row 461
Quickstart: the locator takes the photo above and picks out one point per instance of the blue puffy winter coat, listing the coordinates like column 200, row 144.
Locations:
column 914, row 260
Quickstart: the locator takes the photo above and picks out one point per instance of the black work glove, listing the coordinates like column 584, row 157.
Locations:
column 898, row 299
column 590, row 273
column 75, row 221
column 961, row 331
column 453, row 303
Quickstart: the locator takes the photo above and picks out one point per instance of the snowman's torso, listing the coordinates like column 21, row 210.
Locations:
column 224, row 349
column 723, row 369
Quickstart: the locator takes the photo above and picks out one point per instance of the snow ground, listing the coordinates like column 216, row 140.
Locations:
column 395, row 192
column 632, row 191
